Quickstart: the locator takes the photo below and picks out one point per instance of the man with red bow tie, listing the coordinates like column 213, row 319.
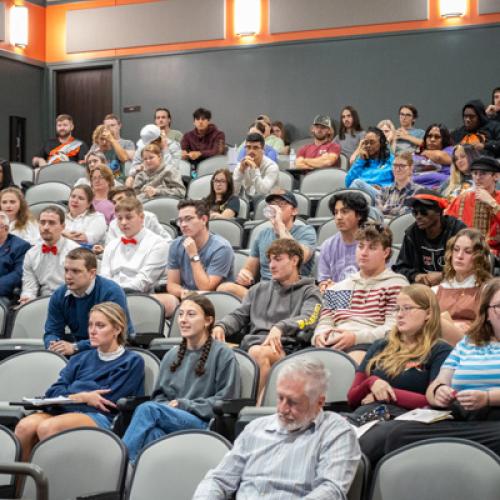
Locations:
column 43, row 270
column 12, row 252
column 138, row 260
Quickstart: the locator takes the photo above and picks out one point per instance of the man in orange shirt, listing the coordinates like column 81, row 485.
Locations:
column 479, row 207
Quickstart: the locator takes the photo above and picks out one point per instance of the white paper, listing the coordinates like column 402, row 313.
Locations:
column 59, row 400
column 425, row 416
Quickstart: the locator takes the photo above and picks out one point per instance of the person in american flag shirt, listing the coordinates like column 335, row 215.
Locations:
column 360, row 309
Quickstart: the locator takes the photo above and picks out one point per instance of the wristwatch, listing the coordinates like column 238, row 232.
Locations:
column 75, row 347
column 195, row 258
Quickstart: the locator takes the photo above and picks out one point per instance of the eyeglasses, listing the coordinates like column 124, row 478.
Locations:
column 421, row 211
column 188, row 218
column 495, row 307
column 407, row 309
column 400, row 166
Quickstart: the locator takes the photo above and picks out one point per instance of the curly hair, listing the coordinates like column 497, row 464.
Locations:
column 481, row 256
column 209, row 311
column 384, row 153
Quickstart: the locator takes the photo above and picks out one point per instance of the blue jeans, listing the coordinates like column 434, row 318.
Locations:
column 154, row 420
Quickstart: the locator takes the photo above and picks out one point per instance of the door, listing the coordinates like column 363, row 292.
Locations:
column 86, row 95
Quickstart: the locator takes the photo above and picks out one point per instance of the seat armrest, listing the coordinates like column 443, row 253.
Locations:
column 231, row 406
column 131, row 403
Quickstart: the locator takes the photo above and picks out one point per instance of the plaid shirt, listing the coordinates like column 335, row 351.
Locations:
column 391, row 200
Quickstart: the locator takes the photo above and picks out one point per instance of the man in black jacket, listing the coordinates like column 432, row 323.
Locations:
column 421, row 258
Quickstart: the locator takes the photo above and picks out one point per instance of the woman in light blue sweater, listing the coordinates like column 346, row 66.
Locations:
column 95, row 378
column 192, row 377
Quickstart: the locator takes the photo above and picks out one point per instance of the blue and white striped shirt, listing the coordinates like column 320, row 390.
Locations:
column 475, row 366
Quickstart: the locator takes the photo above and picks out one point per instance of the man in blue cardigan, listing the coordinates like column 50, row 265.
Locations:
column 12, row 251
column 70, row 304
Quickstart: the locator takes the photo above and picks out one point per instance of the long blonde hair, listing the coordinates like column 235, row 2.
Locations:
column 396, row 354
column 457, row 177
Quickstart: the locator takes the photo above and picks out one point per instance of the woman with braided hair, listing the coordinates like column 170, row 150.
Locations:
column 192, row 377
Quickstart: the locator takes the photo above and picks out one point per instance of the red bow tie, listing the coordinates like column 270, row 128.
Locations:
column 47, row 249
column 129, row 241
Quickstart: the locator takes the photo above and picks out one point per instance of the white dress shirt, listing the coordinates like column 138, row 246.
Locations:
column 150, row 222
column 29, row 233
column 44, row 272
column 136, row 266
column 93, row 224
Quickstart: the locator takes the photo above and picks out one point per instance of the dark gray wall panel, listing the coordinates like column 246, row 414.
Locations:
column 156, row 23
column 488, row 6
column 2, row 22
column 298, row 15
column 436, row 71
column 21, row 94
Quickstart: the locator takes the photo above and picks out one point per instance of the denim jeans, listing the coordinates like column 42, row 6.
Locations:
column 152, row 420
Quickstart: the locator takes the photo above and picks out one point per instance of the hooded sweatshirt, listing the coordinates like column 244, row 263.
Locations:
column 211, row 143
column 364, row 306
column 292, row 308
column 488, row 131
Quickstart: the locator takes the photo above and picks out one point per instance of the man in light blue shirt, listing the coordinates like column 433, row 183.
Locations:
column 298, row 452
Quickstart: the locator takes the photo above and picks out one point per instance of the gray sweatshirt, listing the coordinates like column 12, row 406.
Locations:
column 167, row 181
column 194, row 394
column 292, row 308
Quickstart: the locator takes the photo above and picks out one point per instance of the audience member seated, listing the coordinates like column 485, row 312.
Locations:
column 460, row 175
column 271, row 140
column 283, row 208
column 255, row 175
column 6, row 179
column 431, row 163
column 479, row 206
column 43, row 270
column 337, row 257
column 408, row 138
column 96, row 379
column 391, row 200
column 350, row 132
column 322, row 152
column 493, row 110
column 468, row 384
column 136, row 261
column 477, row 130
column 275, row 311
column 222, row 201
column 163, row 120
column 258, row 128
column 193, row 376
column 21, row 221
column 102, row 181
column 120, row 193
column 298, row 452
column 114, row 125
column 372, row 169
column 157, row 178
column 92, row 159
column 467, row 268
column 69, row 306
column 397, row 370
column 104, row 142
column 360, row 309
column 197, row 260
column 279, row 131
column 205, row 140
column 389, row 131
column 83, row 224
column 12, row 252
column 63, row 147
column 421, row 258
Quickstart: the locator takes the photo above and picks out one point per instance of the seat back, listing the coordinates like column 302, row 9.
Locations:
column 48, row 191
column 344, row 162
column 296, row 145
column 151, row 369
column 438, row 468
column 244, row 209
column 29, row 373
column 3, row 318
column 322, row 181
column 68, row 172
column 147, row 313
column 249, row 374
column 171, row 230
column 398, row 226
column 285, row 180
column 184, row 168
column 176, row 464
column 79, row 462
column 29, row 319
column 224, row 303
column 199, row 188
column 340, row 366
column 10, row 451
column 210, row 165
column 164, row 208
column 228, row 229
column 326, row 230
column 239, row 261
column 36, row 208
column 21, row 173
